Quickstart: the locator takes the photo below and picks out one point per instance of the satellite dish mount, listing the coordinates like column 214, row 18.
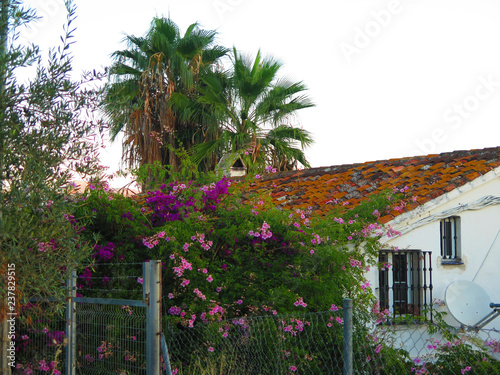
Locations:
column 470, row 304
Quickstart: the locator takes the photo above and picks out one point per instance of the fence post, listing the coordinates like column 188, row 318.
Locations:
column 153, row 319
column 166, row 358
column 71, row 326
column 348, row 336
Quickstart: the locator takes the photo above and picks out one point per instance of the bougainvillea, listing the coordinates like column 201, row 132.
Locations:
column 228, row 254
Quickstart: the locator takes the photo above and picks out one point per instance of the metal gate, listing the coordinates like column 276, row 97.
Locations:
column 115, row 336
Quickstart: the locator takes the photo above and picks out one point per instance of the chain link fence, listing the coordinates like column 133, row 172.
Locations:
column 112, row 339
column 312, row 343
column 279, row 344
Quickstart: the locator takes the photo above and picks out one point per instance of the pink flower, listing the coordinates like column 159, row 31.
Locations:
column 239, row 302
column 293, row 368
column 210, row 278
column 334, row 308
column 210, row 349
column 45, row 367
column 339, row 320
column 257, row 176
column 139, row 280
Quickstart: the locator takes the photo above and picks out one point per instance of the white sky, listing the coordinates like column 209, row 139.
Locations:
column 389, row 78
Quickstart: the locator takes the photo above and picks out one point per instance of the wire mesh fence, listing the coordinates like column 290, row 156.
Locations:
column 433, row 349
column 111, row 338
column 312, row 343
column 40, row 338
column 110, row 333
column 281, row 344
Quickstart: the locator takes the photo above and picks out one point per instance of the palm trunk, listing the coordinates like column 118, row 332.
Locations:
column 173, row 160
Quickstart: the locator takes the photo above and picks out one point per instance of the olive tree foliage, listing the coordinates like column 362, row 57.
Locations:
column 48, row 136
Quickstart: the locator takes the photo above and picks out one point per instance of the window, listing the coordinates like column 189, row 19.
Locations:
column 405, row 281
column 450, row 239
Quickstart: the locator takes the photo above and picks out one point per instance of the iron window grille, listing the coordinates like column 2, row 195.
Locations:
column 405, row 282
column 450, row 238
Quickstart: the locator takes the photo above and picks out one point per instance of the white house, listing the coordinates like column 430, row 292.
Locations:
column 458, row 234
column 450, row 230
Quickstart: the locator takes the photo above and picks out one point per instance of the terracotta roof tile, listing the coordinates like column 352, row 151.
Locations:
column 427, row 177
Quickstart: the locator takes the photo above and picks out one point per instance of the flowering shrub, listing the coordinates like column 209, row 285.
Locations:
column 229, row 255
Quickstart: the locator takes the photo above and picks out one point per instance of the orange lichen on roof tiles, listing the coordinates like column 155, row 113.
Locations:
column 427, row 177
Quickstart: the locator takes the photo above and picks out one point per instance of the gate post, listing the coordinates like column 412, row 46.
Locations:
column 71, row 326
column 152, row 276
column 347, row 336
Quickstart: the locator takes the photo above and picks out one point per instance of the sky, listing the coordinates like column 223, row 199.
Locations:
column 389, row 79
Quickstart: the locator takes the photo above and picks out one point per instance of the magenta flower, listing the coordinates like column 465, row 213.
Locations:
column 45, row 367
column 210, row 278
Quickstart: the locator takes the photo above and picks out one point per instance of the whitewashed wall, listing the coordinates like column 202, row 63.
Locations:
column 480, row 239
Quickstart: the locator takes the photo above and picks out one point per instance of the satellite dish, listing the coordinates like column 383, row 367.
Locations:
column 469, row 304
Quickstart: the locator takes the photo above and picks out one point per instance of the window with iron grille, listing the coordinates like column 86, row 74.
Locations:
column 450, row 238
column 405, row 282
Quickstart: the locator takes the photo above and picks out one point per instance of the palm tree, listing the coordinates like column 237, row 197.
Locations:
column 142, row 80
column 252, row 112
